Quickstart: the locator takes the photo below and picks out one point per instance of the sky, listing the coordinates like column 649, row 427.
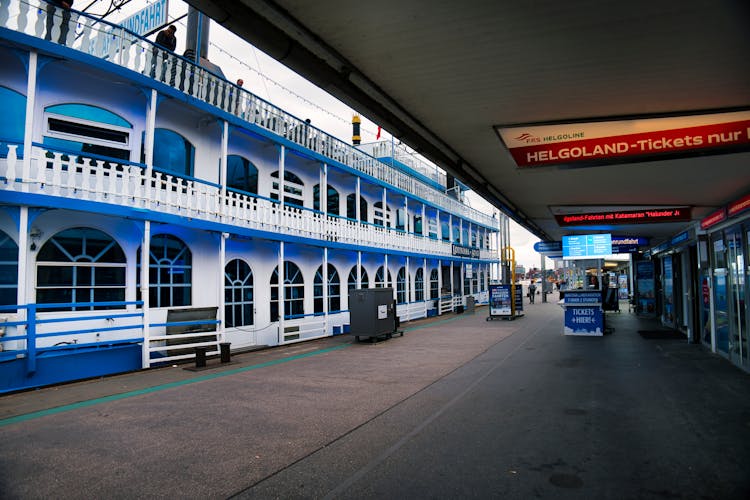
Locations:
column 272, row 81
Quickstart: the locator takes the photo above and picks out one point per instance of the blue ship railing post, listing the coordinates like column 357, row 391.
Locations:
column 30, row 338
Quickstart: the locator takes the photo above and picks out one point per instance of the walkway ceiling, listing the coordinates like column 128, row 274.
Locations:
column 441, row 74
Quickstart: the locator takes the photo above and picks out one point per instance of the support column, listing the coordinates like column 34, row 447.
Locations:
column 145, row 293
column 282, row 291
column 223, row 170
column 221, row 296
column 29, row 124
column 325, row 290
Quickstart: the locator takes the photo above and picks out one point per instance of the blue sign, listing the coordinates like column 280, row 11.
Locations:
column 590, row 298
column 587, row 246
column 548, row 246
column 500, row 304
column 584, row 321
column 148, row 19
column 639, row 241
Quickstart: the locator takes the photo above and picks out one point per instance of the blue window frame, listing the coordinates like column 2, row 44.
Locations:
column 12, row 125
column 80, row 265
column 334, row 289
column 352, row 283
column 238, row 294
column 170, row 272
column 419, row 285
column 8, row 270
column 294, row 292
column 242, row 175
column 172, row 153
column 402, row 295
column 332, row 199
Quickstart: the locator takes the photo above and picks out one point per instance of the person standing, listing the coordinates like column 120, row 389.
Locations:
column 166, row 40
column 53, row 7
column 532, row 292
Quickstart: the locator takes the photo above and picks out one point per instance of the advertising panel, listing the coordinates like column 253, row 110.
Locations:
column 644, row 284
column 626, row 140
column 500, row 304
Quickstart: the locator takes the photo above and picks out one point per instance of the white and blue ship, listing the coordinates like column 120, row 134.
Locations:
column 149, row 206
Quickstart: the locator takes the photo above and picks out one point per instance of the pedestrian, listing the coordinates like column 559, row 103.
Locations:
column 166, row 40
column 58, row 9
column 532, row 292
column 237, row 96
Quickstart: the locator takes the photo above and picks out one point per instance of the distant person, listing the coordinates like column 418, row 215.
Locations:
column 532, row 292
column 58, row 10
column 166, row 40
column 236, row 94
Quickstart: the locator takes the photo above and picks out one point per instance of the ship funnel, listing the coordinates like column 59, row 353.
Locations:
column 356, row 137
column 198, row 28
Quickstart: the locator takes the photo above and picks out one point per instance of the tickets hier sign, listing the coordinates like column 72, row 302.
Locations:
column 650, row 216
column 623, row 140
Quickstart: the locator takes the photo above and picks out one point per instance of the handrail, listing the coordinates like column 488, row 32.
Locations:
column 120, row 46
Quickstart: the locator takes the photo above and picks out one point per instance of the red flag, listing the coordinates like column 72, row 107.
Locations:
column 378, row 136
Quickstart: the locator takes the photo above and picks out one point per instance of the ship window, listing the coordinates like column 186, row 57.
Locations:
column 377, row 215
column 432, row 228
column 293, row 188
column 352, row 283
column 80, row 265
column 332, row 200
column 170, row 272
column 80, row 128
column 445, row 231
column 351, row 207
column 418, row 224
column 238, row 294
column 12, row 125
column 334, row 290
column 241, row 174
column 402, row 295
column 419, row 285
column 467, row 281
column 379, row 275
column 294, row 292
column 434, row 289
column 172, row 152
column 8, row 270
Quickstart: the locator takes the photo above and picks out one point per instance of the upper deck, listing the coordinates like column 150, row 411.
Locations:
column 108, row 44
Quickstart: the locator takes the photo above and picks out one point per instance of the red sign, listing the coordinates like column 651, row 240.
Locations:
column 738, row 206
column 713, row 219
column 679, row 214
column 600, row 141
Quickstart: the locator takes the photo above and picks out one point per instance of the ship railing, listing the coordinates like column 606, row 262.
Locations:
column 65, row 174
column 116, row 44
column 33, row 331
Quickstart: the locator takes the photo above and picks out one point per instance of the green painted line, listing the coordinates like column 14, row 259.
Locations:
column 116, row 397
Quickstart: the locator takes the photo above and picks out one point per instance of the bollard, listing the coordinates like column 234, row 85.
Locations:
column 224, row 348
column 200, row 357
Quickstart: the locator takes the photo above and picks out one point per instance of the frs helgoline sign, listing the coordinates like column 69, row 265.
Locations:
column 539, row 145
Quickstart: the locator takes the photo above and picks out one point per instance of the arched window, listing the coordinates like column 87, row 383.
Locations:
column 334, row 290
column 241, row 174
column 80, row 128
column 402, row 293
column 434, row 288
column 379, row 278
column 419, row 285
column 172, row 152
column 294, row 296
column 238, row 294
column 351, row 207
column 352, row 283
column 170, row 272
column 377, row 215
column 293, row 188
column 8, row 270
column 332, row 200
column 81, row 265
column 12, row 125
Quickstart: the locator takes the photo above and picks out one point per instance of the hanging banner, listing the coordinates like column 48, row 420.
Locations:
column 626, row 140
column 645, row 287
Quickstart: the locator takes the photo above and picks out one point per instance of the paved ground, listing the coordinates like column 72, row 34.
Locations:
column 459, row 407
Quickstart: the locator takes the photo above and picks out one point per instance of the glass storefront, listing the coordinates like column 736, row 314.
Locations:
column 730, row 274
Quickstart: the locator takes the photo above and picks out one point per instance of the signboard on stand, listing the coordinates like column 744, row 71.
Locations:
column 583, row 314
column 500, row 302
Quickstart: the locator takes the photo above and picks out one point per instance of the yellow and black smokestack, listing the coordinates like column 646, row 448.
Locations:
column 356, row 138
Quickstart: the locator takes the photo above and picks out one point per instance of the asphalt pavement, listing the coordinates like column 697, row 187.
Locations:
column 459, row 407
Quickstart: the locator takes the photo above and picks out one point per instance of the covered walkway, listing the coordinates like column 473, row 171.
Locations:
column 458, row 407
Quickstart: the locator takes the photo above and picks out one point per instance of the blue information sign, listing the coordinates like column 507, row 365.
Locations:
column 586, row 246
column 584, row 320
